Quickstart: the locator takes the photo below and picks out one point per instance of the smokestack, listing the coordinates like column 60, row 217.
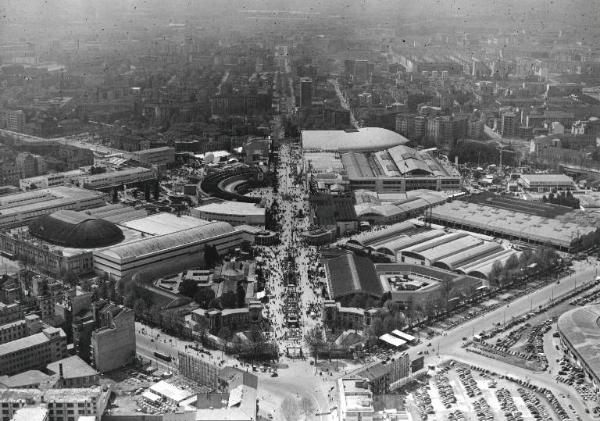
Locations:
column 456, row 160
column 60, row 371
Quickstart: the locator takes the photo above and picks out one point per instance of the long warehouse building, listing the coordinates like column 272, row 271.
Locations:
column 516, row 226
column 168, row 253
column 20, row 208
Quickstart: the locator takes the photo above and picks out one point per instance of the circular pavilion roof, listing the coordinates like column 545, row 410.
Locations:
column 68, row 228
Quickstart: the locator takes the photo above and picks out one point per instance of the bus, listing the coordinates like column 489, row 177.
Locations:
column 162, row 356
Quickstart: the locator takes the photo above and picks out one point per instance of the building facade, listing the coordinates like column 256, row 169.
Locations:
column 113, row 343
column 33, row 352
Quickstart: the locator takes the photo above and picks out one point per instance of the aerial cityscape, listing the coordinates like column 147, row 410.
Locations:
column 342, row 210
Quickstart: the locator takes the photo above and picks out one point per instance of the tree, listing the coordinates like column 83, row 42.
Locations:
column 139, row 307
column 388, row 323
column 377, row 327
column 241, row 295
column 211, row 256
column 225, row 333
column 512, row 262
column 315, row 340
column 204, row 296
column 228, row 300
column 86, row 285
column 307, row 406
column 495, row 273
column 188, row 287
column 447, row 289
column 525, row 257
column 289, row 408
column 246, row 246
column 69, row 277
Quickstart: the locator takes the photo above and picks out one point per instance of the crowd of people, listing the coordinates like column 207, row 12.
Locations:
column 292, row 289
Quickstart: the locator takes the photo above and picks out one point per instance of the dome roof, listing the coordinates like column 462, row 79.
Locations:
column 363, row 139
column 74, row 229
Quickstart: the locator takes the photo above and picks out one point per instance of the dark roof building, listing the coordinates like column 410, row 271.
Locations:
column 75, row 229
column 351, row 274
column 329, row 210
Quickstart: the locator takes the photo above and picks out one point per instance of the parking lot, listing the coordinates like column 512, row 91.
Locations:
column 457, row 392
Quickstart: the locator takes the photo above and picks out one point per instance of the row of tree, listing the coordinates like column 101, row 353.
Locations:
column 587, row 241
column 526, row 264
column 562, row 198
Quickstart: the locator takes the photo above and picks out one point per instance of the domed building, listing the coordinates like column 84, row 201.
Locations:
column 68, row 228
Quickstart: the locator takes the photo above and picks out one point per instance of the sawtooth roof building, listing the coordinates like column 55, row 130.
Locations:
column 459, row 252
column 363, row 139
column 399, row 169
column 579, row 331
column 375, row 211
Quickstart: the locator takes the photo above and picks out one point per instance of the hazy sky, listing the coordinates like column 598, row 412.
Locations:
column 58, row 13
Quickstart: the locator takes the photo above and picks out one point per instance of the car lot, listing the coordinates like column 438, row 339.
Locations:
column 456, row 391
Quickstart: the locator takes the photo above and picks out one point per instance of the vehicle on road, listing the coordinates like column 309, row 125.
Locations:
column 162, row 356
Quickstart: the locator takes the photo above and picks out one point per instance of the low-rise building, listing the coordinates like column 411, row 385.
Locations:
column 73, row 372
column 155, row 156
column 117, row 178
column 546, row 182
column 20, row 208
column 234, row 319
column 18, row 329
column 355, row 399
column 62, row 404
column 33, row 352
column 338, row 317
column 383, row 377
column 51, row 180
column 235, row 213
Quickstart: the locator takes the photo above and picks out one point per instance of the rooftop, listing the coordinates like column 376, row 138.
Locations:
column 170, row 391
column 23, row 343
column 110, row 174
column 530, row 207
column 116, row 213
column 400, row 206
column 164, row 223
column 366, row 138
column 73, row 367
column 41, row 199
column 25, row 379
column 158, row 244
column 233, row 208
column 506, row 222
column 75, row 229
column 351, row 274
column 548, row 179
column 154, row 150
column 399, row 161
